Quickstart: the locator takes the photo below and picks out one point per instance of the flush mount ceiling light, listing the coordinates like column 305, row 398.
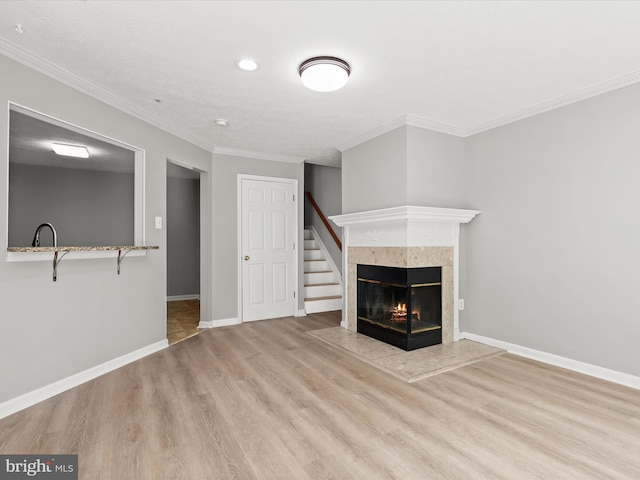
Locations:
column 247, row 64
column 79, row 151
column 221, row 122
column 324, row 74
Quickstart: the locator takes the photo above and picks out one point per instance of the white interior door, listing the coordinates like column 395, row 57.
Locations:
column 268, row 248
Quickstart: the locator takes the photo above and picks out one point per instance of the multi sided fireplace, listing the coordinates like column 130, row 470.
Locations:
column 400, row 306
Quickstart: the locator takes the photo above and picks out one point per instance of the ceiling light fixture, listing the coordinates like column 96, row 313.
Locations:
column 247, row 64
column 324, row 74
column 221, row 122
column 78, row 151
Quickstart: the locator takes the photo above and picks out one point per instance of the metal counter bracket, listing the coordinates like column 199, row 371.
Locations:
column 56, row 261
column 120, row 257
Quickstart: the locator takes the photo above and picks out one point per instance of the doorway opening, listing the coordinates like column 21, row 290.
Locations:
column 183, row 252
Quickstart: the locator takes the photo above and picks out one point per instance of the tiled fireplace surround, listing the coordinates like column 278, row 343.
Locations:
column 406, row 236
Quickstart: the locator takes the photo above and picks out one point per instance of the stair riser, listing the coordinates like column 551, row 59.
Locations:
column 322, row 291
column 315, row 266
column 310, row 244
column 323, row 305
column 324, row 277
column 313, row 255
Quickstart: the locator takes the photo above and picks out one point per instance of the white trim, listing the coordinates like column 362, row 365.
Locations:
column 408, row 212
column 574, row 365
column 402, row 121
column 344, row 323
column 434, row 126
column 274, row 157
column 223, row 322
column 325, row 252
column 31, row 398
column 297, row 233
column 578, row 96
column 177, row 298
column 301, row 313
column 63, row 76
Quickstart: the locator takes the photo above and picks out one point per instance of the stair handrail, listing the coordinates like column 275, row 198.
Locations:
column 324, row 220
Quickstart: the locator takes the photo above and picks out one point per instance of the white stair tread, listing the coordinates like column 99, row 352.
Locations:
column 320, row 284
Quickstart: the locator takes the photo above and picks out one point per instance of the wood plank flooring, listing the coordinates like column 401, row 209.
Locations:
column 183, row 317
column 264, row 400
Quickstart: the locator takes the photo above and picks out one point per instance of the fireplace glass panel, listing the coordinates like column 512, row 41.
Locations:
column 383, row 304
column 425, row 303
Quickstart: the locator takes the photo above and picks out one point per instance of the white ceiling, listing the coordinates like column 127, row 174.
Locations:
column 457, row 67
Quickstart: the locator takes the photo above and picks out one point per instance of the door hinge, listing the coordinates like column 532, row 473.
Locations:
column 294, row 294
column 294, row 197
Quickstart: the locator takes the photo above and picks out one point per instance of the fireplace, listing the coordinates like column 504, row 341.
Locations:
column 406, row 237
column 400, row 306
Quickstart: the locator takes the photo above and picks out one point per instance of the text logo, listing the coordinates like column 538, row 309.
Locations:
column 49, row 467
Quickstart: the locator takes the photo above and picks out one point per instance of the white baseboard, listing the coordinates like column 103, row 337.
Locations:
column 28, row 399
column 176, row 298
column 563, row 362
column 301, row 313
column 223, row 322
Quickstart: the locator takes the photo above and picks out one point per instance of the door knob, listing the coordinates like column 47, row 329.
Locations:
column 246, row 257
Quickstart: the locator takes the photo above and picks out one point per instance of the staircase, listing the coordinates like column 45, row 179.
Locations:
column 322, row 285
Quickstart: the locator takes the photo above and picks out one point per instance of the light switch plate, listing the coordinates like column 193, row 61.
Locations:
column 158, row 223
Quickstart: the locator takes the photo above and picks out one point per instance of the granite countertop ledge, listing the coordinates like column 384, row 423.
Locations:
column 81, row 249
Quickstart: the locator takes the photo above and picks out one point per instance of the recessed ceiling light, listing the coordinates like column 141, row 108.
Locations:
column 247, row 64
column 221, row 122
column 324, row 74
column 79, row 151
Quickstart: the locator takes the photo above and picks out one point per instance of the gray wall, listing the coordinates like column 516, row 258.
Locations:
column 325, row 184
column 71, row 200
column 369, row 171
column 406, row 166
column 53, row 330
column 183, row 236
column 435, row 169
column 225, row 254
column 552, row 261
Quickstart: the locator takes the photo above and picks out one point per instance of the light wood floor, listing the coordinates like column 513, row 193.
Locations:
column 183, row 317
column 264, row 400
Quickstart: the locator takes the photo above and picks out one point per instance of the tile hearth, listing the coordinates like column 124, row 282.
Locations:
column 407, row 366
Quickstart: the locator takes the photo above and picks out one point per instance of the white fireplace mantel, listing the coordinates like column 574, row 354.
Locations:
column 407, row 212
column 405, row 227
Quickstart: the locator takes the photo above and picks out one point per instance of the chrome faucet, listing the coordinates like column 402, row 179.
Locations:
column 36, row 238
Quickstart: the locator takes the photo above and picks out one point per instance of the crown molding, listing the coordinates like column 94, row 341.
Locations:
column 404, row 120
column 273, row 157
column 584, row 94
column 61, row 75
column 415, row 121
